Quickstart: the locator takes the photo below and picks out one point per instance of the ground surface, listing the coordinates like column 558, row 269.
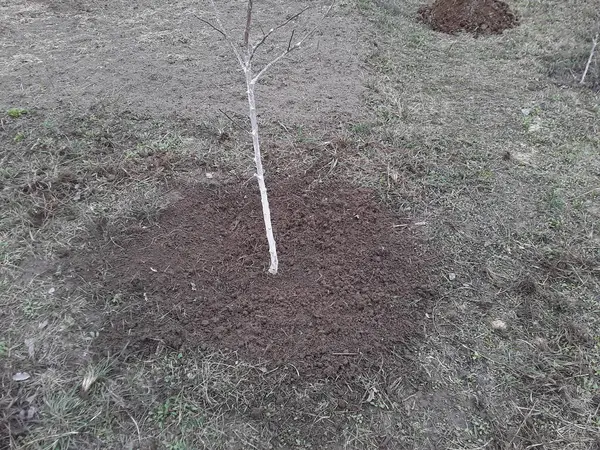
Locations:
column 351, row 287
column 159, row 59
column 472, row 162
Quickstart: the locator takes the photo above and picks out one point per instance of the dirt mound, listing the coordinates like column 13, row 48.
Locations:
column 474, row 16
column 350, row 288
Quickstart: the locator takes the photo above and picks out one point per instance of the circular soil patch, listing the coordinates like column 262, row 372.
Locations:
column 351, row 286
column 474, row 16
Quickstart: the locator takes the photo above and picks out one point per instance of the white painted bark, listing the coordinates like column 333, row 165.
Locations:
column 260, row 175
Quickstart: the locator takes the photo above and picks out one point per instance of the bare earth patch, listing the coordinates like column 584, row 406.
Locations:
column 473, row 16
column 351, row 289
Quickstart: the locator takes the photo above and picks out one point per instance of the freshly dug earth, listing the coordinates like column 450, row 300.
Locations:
column 351, row 287
column 474, row 16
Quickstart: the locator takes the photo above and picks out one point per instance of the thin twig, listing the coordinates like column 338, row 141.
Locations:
column 224, row 33
column 210, row 25
column 290, row 41
column 232, row 121
column 293, row 47
column 272, row 30
column 589, row 61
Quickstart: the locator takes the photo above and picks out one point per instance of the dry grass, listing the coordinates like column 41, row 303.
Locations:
column 477, row 140
column 501, row 162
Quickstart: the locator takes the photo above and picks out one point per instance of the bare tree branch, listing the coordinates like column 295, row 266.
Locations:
column 232, row 121
column 290, row 41
column 291, row 48
column 221, row 29
column 272, row 30
column 247, row 30
column 210, row 25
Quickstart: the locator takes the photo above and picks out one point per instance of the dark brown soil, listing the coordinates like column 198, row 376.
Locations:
column 474, row 16
column 351, row 287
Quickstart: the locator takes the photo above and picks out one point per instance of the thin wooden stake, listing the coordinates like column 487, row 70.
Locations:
column 589, row 61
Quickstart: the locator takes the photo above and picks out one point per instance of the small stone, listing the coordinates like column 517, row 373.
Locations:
column 21, row 376
column 499, row 325
column 452, row 276
column 205, row 323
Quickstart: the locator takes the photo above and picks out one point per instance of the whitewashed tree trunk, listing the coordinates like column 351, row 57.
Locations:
column 260, row 175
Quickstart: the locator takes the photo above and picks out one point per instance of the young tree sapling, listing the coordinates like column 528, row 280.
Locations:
column 245, row 58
